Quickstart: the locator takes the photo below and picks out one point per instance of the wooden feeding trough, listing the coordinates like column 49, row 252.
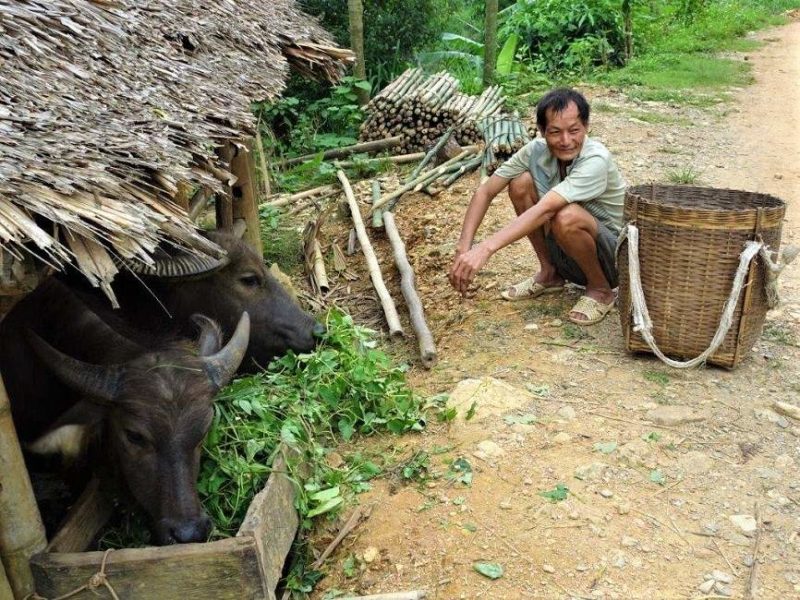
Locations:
column 247, row 566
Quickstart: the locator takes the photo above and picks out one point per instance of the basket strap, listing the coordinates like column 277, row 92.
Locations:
column 641, row 317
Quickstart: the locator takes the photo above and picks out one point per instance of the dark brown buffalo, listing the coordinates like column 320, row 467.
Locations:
column 164, row 305
column 71, row 378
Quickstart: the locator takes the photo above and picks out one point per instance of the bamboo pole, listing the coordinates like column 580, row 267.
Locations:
column 320, row 275
column 377, row 216
column 427, row 349
column 348, row 150
column 21, row 530
column 389, row 308
column 245, row 205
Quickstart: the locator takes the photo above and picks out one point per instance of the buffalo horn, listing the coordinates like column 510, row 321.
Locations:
column 221, row 366
column 100, row 382
column 178, row 267
column 210, row 339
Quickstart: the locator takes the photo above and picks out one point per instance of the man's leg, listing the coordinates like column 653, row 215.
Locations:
column 523, row 195
column 575, row 231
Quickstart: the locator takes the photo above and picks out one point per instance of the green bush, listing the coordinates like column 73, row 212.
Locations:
column 568, row 35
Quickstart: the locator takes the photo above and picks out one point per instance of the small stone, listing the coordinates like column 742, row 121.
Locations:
column 606, row 493
column 746, row 523
column 566, row 412
column 370, row 554
column 707, row 586
column 619, row 561
column 784, row 461
column 722, row 589
column 562, row 438
column 548, row 568
column 490, row 448
column 556, row 323
column 747, row 560
column 722, row 576
column 527, row 481
column 591, row 472
column 574, row 515
column 581, row 568
column 623, row 508
column 531, row 327
column 629, row 542
column 669, row 416
column 334, row 460
column 696, row 463
column 505, row 505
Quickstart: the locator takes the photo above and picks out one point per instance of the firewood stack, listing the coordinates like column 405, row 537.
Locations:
column 503, row 135
column 422, row 108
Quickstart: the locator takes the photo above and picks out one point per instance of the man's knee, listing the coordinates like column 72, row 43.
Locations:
column 571, row 219
column 522, row 191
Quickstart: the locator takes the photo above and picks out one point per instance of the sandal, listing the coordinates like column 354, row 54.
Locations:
column 529, row 288
column 593, row 310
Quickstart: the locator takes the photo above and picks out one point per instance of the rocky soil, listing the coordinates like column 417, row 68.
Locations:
column 679, row 484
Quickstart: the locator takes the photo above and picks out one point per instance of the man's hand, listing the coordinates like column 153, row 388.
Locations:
column 466, row 265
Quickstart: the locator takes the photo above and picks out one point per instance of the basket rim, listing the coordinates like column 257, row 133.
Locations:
column 644, row 195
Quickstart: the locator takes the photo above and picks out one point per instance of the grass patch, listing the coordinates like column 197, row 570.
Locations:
column 683, row 176
column 282, row 243
column 655, row 376
column 780, row 333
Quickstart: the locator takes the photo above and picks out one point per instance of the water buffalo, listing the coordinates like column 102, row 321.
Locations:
column 163, row 304
column 71, row 378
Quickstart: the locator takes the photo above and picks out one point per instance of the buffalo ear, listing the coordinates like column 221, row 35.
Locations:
column 100, row 383
column 222, row 366
column 69, row 435
column 210, row 339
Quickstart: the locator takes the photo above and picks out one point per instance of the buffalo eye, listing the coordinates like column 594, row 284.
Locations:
column 135, row 438
column 250, row 280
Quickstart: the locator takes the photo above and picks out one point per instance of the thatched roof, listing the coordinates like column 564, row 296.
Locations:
column 105, row 105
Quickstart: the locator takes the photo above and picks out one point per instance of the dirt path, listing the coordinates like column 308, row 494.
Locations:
column 666, row 470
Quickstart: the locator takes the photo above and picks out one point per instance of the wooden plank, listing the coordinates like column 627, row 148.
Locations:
column 245, row 203
column 21, row 529
column 224, row 570
column 273, row 522
column 86, row 517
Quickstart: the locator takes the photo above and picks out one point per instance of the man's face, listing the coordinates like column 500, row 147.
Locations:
column 565, row 133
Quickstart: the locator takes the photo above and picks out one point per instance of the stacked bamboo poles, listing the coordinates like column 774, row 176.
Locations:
column 21, row 531
column 503, row 135
column 389, row 309
column 421, row 109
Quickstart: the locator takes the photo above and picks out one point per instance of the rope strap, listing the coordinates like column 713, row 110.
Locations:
column 99, row 579
column 641, row 317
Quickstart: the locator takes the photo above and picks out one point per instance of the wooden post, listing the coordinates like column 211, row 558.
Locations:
column 245, row 203
column 21, row 530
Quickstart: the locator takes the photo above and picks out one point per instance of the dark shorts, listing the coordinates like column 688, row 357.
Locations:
column 606, row 252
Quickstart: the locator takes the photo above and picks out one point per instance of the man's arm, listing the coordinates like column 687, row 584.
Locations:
column 468, row 263
column 476, row 211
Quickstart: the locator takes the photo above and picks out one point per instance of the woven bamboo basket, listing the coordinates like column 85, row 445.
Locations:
column 690, row 239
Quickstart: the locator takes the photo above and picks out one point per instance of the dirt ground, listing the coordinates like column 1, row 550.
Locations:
column 682, row 483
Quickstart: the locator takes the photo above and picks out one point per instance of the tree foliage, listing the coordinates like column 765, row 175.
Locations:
column 393, row 30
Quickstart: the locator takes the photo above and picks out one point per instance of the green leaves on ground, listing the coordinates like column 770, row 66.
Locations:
column 605, row 447
column 657, row 476
column 559, row 493
column 346, row 387
column 490, row 570
column 460, row 471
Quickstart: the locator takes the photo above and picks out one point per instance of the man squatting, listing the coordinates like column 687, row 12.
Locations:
column 568, row 196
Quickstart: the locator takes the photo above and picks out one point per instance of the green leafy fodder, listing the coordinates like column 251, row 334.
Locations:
column 307, row 401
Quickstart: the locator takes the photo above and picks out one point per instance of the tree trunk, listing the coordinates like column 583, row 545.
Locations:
column 490, row 42
column 355, row 11
column 627, row 27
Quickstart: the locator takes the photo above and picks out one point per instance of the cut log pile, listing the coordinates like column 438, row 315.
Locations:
column 503, row 135
column 421, row 109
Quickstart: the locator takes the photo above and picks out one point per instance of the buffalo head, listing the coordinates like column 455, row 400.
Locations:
column 277, row 323
column 154, row 412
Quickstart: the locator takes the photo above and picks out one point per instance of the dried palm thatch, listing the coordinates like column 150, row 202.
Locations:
column 106, row 106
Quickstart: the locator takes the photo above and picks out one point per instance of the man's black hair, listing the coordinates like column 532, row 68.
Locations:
column 557, row 100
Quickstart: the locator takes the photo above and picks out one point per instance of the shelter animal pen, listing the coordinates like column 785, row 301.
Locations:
column 119, row 120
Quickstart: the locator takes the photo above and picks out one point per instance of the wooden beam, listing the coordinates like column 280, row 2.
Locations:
column 223, row 570
column 272, row 521
column 245, row 199
column 86, row 517
column 21, row 530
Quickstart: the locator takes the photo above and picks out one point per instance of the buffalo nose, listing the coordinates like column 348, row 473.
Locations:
column 319, row 330
column 186, row 531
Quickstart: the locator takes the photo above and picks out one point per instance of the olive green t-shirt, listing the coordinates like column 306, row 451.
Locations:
column 592, row 179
